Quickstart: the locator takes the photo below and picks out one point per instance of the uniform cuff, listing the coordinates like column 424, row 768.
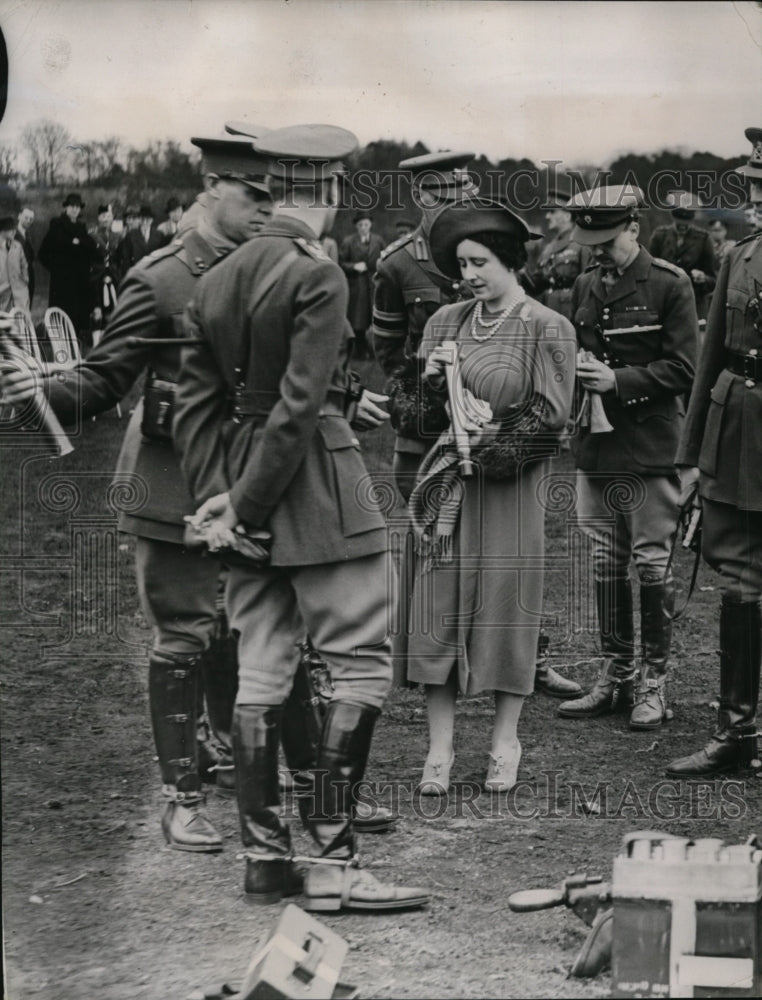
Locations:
column 249, row 511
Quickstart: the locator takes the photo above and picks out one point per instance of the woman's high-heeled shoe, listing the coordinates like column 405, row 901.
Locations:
column 435, row 779
column 503, row 768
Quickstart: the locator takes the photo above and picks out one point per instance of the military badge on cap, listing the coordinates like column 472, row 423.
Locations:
column 753, row 166
column 602, row 213
column 233, row 159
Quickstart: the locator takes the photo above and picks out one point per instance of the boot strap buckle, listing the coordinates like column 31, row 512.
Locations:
column 353, row 862
column 246, row 856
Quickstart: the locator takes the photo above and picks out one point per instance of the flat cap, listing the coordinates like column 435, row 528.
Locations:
column 443, row 173
column 233, row 159
column 306, row 152
column 753, row 166
column 464, row 221
column 602, row 212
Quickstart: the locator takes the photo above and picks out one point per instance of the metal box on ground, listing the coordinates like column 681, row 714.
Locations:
column 687, row 918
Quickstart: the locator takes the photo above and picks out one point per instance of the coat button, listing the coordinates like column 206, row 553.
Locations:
column 418, row 298
column 749, row 383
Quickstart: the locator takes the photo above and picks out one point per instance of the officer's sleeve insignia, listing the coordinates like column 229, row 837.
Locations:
column 312, row 248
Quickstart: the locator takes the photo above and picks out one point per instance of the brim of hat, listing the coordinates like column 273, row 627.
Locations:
column 748, row 171
column 450, row 229
column 257, row 185
column 592, row 237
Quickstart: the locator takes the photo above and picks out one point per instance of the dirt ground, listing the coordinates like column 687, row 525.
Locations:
column 95, row 905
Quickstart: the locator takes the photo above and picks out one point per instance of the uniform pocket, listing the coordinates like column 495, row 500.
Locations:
column 710, row 444
column 358, row 510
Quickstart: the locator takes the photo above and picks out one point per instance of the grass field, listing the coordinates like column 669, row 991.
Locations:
column 96, row 906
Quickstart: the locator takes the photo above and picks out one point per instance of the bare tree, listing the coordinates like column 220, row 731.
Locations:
column 87, row 156
column 8, row 163
column 47, row 142
column 110, row 149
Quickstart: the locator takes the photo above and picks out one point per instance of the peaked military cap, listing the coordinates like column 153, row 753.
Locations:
column 603, row 212
column 443, row 173
column 558, row 196
column 753, row 166
column 249, row 129
column 233, row 159
column 465, row 220
column 306, row 152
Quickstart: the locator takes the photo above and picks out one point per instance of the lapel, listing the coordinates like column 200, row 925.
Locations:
column 637, row 271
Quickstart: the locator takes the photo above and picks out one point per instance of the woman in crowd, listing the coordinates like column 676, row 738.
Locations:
column 474, row 613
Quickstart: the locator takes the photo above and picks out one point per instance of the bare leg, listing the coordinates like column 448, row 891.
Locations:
column 506, row 749
column 440, row 705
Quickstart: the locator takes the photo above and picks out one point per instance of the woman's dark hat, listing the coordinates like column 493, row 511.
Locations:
column 73, row 199
column 464, row 221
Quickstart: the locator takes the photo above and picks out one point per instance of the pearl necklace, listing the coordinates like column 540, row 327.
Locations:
column 492, row 326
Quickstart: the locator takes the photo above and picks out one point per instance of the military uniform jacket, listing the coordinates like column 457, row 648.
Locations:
column 291, row 463
column 723, row 430
column 561, row 262
column 408, row 290
column 653, row 370
column 695, row 252
column 151, row 304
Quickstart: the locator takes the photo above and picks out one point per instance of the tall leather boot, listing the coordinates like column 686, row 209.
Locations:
column 172, row 688
column 270, row 874
column 219, row 672
column 613, row 691
column 333, row 880
column 657, row 606
column 303, row 719
column 733, row 745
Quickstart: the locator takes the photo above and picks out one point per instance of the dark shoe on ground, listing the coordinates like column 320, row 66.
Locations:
column 368, row 818
column 342, row 886
column 550, row 682
column 650, row 709
column 608, row 696
column 267, row 881
column 187, row 827
column 723, row 754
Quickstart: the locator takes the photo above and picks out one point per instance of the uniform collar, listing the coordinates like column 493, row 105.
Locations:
column 285, row 226
column 201, row 254
column 637, row 271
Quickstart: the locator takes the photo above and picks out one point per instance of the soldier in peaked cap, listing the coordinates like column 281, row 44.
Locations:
column 688, row 246
column 409, row 288
column 274, row 335
column 178, row 589
column 637, row 329
column 722, row 439
column 561, row 259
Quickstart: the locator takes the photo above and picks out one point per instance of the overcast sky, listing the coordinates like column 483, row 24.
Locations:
column 574, row 81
